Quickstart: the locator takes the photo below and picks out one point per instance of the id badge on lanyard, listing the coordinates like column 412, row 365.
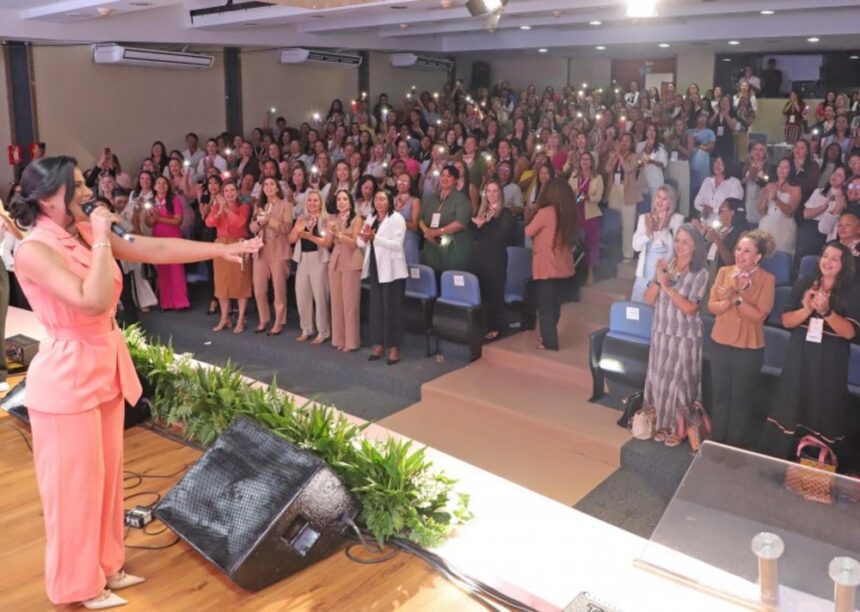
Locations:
column 815, row 332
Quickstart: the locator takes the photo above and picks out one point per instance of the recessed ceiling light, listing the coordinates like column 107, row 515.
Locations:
column 663, row 45
column 854, row 57
column 767, row 12
column 734, row 42
column 813, row 39
column 596, row 22
column 600, row 48
column 727, row 59
column 542, row 50
column 525, row 27
column 556, row 14
column 404, row 26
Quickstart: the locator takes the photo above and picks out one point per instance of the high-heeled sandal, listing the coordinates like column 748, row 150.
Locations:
column 123, row 580
column 104, row 600
column 261, row 328
column 223, row 324
column 303, row 337
column 213, row 308
column 319, row 339
column 240, row 327
column 275, row 331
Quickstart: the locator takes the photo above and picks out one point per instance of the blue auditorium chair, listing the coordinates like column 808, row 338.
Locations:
column 620, row 351
column 808, row 265
column 854, row 370
column 779, row 264
column 780, row 298
column 518, row 276
column 775, row 346
column 421, row 287
column 458, row 315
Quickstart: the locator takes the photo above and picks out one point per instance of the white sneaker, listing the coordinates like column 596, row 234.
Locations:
column 104, row 600
column 122, row 580
column 4, row 387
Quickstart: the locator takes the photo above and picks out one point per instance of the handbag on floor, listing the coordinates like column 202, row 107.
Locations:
column 644, row 423
column 814, row 485
column 698, row 426
column 632, row 404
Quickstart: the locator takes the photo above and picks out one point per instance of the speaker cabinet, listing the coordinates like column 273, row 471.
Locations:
column 480, row 74
column 259, row 507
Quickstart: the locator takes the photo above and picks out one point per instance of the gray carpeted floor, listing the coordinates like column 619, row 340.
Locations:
column 369, row 390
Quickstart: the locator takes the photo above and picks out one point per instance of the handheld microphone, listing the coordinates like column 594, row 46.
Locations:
column 90, row 205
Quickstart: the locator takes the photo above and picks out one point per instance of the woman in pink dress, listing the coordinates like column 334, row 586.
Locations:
column 79, row 382
column 164, row 218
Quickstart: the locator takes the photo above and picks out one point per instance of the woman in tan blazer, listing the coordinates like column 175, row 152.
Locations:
column 624, row 192
column 272, row 221
column 344, row 273
column 553, row 228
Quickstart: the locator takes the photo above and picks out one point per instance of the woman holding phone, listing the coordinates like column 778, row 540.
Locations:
column 79, row 382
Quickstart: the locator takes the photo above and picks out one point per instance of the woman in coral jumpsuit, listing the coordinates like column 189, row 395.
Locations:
column 82, row 376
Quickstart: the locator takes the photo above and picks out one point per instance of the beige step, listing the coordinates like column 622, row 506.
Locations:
column 556, row 411
column 626, row 270
column 570, row 362
column 607, row 291
column 523, row 455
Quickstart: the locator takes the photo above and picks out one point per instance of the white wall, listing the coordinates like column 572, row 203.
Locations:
column 6, row 172
column 83, row 107
column 296, row 90
column 597, row 72
column 396, row 82
column 695, row 68
column 520, row 72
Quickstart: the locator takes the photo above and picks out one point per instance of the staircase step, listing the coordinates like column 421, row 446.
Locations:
column 530, row 401
column 626, row 270
column 570, row 363
column 607, row 291
column 527, row 456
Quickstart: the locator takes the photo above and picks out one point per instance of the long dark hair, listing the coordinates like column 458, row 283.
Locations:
column 168, row 197
column 559, row 195
column 839, row 295
column 42, row 179
column 264, row 199
column 351, row 205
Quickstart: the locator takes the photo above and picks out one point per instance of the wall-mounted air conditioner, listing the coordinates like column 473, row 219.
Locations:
column 112, row 53
column 410, row 60
column 297, row 55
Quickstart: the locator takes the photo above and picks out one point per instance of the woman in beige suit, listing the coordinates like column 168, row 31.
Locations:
column 344, row 273
column 272, row 221
column 311, row 253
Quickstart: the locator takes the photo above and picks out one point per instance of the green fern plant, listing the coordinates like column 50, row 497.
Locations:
column 402, row 494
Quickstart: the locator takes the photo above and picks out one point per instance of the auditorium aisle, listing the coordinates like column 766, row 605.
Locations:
column 523, row 413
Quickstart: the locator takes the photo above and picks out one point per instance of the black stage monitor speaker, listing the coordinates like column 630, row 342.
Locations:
column 258, row 507
column 21, row 349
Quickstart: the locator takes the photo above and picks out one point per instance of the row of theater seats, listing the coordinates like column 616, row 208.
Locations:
column 619, row 352
column 454, row 310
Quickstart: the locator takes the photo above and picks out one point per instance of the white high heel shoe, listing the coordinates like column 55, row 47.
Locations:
column 122, row 580
column 104, row 600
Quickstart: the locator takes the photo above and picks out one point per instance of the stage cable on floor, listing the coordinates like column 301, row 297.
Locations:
column 20, row 433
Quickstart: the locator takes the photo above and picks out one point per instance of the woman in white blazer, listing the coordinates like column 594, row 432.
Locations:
column 654, row 237
column 382, row 238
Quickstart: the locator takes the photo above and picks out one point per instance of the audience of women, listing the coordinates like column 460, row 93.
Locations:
column 741, row 298
column 311, row 254
column 654, row 238
column 272, row 221
column 812, row 394
column 382, row 237
column 344, row 273
column 553, row 229
column 229, row 217
column 673, row 380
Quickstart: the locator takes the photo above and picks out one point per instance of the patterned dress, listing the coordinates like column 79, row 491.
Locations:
column 674, row 375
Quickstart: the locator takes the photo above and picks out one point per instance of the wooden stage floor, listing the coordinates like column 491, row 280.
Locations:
column 178, row 578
